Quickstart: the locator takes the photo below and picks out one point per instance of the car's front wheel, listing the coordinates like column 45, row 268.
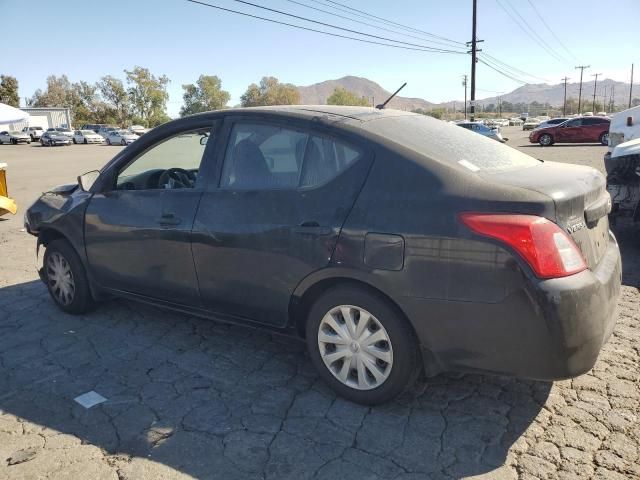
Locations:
column 604, row 138
column 545, row 140
column 361, row 346
column 66, row 278
column 85, row 141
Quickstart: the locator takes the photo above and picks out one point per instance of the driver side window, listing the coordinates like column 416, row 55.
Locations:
column 170, row 164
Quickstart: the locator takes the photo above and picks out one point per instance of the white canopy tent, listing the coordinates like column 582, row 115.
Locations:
column 9, row 114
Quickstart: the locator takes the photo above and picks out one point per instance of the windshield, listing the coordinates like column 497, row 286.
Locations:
column 446, row 143
column 87, row 132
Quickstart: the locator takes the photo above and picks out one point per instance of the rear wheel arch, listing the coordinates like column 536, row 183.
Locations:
column 302, row 301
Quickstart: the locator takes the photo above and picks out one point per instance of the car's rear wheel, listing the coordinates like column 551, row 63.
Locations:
column 75, row 141
column 14, row 141
column 545, row 140
column 123, row 143
column 66, row 278
column 85, row 141
column 108, row 142
column 604, row 138
column 361, row 346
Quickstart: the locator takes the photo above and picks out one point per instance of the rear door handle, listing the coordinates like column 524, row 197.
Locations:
column 311, row 228
column 169, row 219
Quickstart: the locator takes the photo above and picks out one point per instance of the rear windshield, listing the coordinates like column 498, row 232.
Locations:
column 448, row 143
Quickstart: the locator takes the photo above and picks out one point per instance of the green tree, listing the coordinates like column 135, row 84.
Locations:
column 9, row 90
column 116, row 99
column 148, row 96
column 342, row 96
column 435, row 113
column 205, row 95
column 57, row 93
column 270, row 92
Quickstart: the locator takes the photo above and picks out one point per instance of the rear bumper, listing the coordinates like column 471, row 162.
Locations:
column 549, row 330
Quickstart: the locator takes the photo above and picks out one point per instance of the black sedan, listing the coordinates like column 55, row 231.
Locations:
column 392, row 242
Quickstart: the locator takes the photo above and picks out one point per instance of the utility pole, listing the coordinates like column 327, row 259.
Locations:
column 612, row 99
column 604, row 98
column 564, row 104
column 581, row 67
column 464, row 84
column 631, row 86
column 474, row 52
column 500, row 107
column 595, row 84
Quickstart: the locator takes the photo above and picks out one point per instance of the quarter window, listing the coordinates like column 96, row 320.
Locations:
column 261, row 157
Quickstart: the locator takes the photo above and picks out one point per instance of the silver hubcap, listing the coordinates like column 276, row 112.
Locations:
column 546, row 139
column 60, row 278
column 355, row 347
column 605, row 139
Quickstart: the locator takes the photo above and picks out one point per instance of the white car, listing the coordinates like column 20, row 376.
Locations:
column 61, row 130
column 138, row 130
column 121, row 137
column 34, row 132
column 14, row 137
column 104, row 132
column 87, row 136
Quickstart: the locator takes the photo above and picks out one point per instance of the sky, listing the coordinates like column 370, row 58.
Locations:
column 86, row 40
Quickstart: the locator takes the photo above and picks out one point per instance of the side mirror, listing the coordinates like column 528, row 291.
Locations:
column 86, row 180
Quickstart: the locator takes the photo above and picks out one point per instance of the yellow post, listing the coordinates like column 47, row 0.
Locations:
column 7, row 205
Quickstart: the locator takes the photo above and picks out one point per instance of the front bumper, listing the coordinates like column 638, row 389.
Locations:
column 548, row 330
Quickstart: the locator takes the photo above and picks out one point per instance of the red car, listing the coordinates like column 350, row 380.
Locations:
column 576, row 130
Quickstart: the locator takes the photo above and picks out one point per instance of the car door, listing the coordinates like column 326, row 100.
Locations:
column 594, row 127
column 570, row 132
column 138, row 230
column 284, row 192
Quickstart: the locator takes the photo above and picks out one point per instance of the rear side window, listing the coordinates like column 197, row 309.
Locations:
column 265, row 157
column 446, row 143
column 593, row 121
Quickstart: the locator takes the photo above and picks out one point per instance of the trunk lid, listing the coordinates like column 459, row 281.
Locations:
column 580, row 200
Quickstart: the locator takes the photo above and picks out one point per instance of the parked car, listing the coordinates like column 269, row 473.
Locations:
column 138, row 130
column 62, row 130
column 121, row 137
column 515, row 122
column 576, row 130
column 14, row 137
column 94, row 126
column 106, row 131
column 530, row 124
column 478, row 127
column 552, row 122
column 53, row 138
column 622, row 163
column 87, row 136
column 34, row 132
column 392, row 242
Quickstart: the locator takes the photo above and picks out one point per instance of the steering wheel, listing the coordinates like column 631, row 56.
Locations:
column 177, row 178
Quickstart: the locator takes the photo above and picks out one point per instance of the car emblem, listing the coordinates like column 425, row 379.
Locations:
column 576, row 226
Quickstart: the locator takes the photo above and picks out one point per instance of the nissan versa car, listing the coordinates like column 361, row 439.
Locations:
column 576, row 130
column 391, row 242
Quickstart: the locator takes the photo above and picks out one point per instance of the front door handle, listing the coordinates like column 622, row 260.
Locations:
column 168, row 219
column 311, row 228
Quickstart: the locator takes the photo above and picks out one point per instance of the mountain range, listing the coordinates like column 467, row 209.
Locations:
column 318, row 93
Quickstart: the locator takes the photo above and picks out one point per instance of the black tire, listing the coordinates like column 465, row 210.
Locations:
column 85, row 141
column 406, row 357
column 81, row 300
column 604, row 138
column 74, row 141
column 123, row 143
column 545, row 140
column 14, row 141
column 108, row 142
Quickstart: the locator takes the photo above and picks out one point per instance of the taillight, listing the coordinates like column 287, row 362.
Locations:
column 548, row 250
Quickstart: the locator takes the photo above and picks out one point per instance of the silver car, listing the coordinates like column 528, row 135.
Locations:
column 14, row 137
column 482, row 129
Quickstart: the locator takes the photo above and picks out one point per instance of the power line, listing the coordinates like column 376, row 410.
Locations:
column 506, row 66
column 524, row 26
column 367, row 24
column 324, row 24
column 331, row 34
column 337, row 6
column 550, row 30
column 504, row 74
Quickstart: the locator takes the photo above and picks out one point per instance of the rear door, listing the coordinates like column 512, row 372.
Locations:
column 594, row 127
column 283, row 193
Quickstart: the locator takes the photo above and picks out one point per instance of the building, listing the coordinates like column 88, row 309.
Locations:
column 45, row 117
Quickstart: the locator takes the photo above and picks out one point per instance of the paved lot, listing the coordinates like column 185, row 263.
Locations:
column 192, row 398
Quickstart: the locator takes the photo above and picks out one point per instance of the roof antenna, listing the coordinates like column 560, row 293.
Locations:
column 382, row 105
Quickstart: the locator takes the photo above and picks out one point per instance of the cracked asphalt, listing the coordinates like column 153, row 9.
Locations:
column 188, row 397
